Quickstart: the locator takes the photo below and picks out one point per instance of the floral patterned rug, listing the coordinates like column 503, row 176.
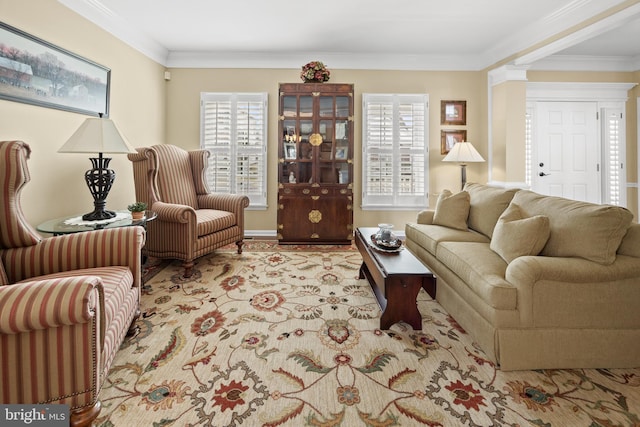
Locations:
column 288, row 336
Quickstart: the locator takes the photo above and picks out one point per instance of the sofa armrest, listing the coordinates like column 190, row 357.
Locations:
column 425, row 216
column 99, row 248
column 531, row 269
column 43, row 304
column 576, row 293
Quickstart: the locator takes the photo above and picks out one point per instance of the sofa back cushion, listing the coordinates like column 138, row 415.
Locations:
column 578, row 229
column 486, row 205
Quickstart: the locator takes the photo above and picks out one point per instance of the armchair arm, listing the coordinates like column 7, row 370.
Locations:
column 53, row 331
column 100, row 248
column 43, row 304
column 235, row 203
column 169, row 212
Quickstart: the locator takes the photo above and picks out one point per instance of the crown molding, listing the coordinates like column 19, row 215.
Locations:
column 347, row 60
column 507, row 73
column 578, row 91
column 96, row 12
column 587, row 63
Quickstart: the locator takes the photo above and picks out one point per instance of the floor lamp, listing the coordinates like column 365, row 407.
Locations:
column 463, row 153
column 98, row 135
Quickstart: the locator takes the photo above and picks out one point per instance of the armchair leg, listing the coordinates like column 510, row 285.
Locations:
column 188, row 268
column 84, row 417
column 240, row 243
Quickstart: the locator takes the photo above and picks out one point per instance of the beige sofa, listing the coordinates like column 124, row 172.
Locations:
column 539, row 282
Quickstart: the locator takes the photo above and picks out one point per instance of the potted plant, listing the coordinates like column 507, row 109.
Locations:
column 137, row 209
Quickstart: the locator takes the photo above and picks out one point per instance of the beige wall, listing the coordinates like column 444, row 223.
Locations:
column 184, row 106
column 57, row 186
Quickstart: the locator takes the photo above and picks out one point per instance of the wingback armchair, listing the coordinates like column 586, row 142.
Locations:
column 191, row 221
column 66, row 302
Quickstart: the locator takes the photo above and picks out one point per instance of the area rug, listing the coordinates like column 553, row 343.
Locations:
column 286, row 336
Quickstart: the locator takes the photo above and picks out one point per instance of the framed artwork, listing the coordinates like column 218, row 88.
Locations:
column 453, row 112
column 341, row 153
column 289, row 151
column 39, row 73
column 449, row 137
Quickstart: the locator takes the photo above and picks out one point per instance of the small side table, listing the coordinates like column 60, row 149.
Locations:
column 60, row 226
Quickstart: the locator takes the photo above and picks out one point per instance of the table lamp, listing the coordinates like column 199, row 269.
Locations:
column 463, row 153
column 98, row 135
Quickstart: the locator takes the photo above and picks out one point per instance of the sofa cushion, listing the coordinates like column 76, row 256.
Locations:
column 486, row 205
column 452, row 210
column 578, row 229
column 516, row 235
column 482, row 270
column 428, row 236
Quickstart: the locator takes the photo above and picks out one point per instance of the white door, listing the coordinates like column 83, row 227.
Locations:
column 566, row 153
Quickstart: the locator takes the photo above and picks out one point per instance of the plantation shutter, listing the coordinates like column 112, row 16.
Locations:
column 395, row 151
column 234, row 131
column 614, row 174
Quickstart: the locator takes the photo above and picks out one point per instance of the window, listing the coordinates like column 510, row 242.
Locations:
column 233, row 128
column 395, row 169
column 614, row 183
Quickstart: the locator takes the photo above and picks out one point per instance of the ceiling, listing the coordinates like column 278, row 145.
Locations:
column 376, row 34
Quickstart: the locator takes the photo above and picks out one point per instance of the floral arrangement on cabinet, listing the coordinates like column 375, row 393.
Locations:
column 314, row 71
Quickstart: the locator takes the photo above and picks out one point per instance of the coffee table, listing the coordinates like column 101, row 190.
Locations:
column 395, row 278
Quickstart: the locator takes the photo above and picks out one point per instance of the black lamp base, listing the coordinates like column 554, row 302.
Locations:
column 99, row 180
column 98, row 215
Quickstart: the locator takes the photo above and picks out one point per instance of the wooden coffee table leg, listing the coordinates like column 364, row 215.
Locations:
column 429, row 285
column 401, row 295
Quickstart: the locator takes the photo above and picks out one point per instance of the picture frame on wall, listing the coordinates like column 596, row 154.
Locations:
column 45, row 75
column 448, row 137
column 453, row 113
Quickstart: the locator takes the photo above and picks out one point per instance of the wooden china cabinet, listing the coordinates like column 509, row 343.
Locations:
column 315, row 169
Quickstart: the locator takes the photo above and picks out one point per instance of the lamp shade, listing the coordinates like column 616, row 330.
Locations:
column 97, row 135
column 463, row 152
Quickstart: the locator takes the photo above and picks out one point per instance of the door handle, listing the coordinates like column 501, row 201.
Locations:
column 544, row 174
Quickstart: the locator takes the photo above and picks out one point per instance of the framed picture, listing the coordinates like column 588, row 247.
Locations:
column 453, row 112
column 39, row 73
column 341, row 152
column 289, row 150
column 449, row 137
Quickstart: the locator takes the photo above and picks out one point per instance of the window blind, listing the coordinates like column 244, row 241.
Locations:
column 395, row 151
column 234, row 131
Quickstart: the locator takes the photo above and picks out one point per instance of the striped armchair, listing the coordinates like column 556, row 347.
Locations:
column 191, row 222
column 66, row 302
